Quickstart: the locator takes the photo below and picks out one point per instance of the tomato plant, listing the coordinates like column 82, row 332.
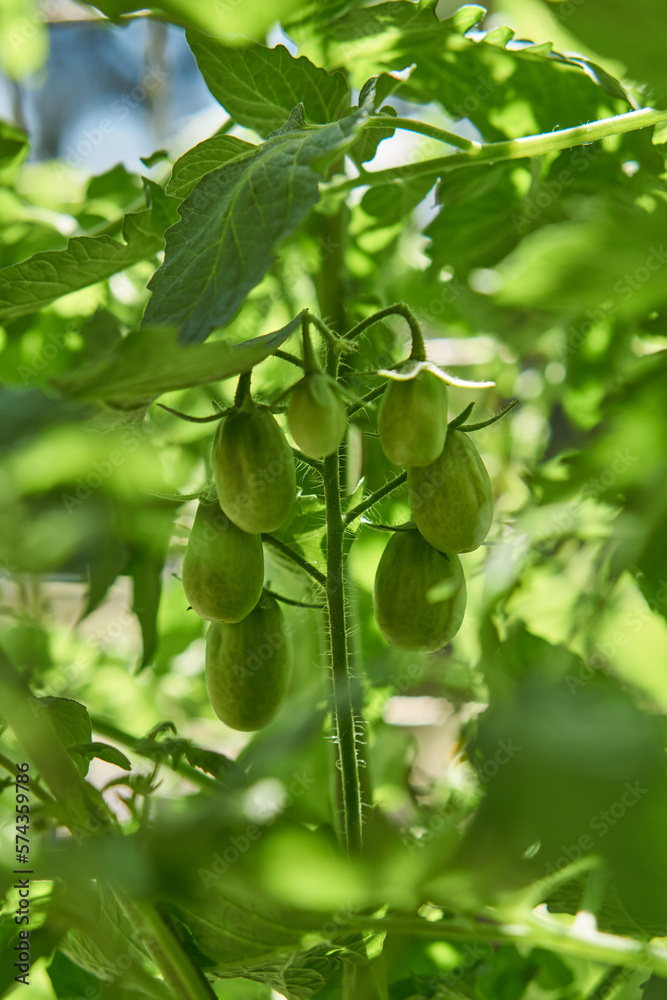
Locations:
column 333, row 506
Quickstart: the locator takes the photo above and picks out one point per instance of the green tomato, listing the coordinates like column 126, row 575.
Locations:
column 407, row 614
column 412, row 422
column 254, row 470
column 223, row 568
column 316, row 415
column 248, row 667
column 451, row 499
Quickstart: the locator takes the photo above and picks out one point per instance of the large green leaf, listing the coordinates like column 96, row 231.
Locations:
column 505, row 87
column 150, row 362
column 259, row 86
column 626, row 31
column 202, row 159
column 44, row 277
column 233, row 220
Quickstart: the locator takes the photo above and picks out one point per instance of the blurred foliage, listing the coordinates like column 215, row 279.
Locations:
column 521, row 765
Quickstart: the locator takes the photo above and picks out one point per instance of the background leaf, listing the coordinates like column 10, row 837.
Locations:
column 150, row 362
column 259, row 86
column 34, row 283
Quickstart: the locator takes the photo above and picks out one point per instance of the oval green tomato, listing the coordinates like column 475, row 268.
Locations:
column 451, row 499
column 223, row 568
column 419, row 595
column 412, row 422
column 248, row 667
column 316, row 415
column 254, row 470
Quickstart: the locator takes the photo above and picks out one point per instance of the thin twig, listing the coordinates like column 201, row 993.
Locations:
column 368, row 398
column 353, row 514
column 292, row 602
column 296, row 558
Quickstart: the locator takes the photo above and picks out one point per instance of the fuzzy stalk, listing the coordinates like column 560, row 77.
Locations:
column 345, row 722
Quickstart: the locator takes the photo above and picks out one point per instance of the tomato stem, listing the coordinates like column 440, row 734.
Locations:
column 373, row 498
column 296, row 558
column 345, row 722
column 418, row 352
column 242, row 395
column 310, row 362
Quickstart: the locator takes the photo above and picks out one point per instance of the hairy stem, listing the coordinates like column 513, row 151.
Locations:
column 374, row 497
column 418, row 352
column 342, row 689
column 296, row 558
column 511, row 149
column 422, row 128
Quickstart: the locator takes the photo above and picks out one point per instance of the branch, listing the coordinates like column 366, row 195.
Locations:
column 296, row 558
column 369, row 397
column 398, row 309
column 353, row 514
column 583, row 941
column 432, row 131
column 293, row 603
column 511, row 149
column 286, row 356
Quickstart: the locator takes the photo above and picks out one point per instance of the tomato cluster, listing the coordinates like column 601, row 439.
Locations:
column 248, row 663
column 419, row 595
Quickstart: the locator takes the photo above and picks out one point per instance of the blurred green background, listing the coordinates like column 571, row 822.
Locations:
column 546, row 276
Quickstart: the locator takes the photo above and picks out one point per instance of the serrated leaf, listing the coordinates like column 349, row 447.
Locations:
column 231, row 223
column 505, row 88
column 103, row 751
column 623, row 30
column 259, row 86
column 46, row 276
column 202, row 159
column 150, row 362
